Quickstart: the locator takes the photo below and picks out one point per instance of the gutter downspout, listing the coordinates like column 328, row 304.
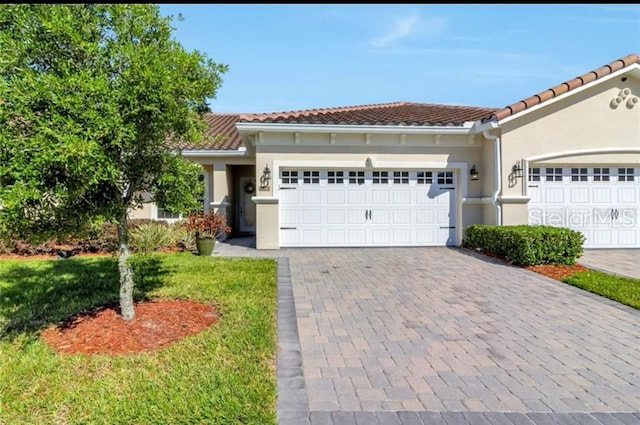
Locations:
column 498, row 173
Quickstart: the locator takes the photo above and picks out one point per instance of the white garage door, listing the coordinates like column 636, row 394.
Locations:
column 367, row 208
column 601, row 202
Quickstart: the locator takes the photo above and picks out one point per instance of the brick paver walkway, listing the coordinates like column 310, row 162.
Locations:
column 439, row 335
column 625, row 262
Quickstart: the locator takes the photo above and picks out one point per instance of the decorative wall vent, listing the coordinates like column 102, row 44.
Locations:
column 624, row 96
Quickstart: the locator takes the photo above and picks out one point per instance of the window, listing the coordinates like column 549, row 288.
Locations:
column 380, row 177
column 600, row 174
column 290, row 177
column 312, row 177
column 425, row 177
column 166, row 215
column 356, row 177
column 335, row 177
column 534, row 174
column 401, row 177
column 445, row 177
column 625, row 174
column 553, row 174
column 578, row 174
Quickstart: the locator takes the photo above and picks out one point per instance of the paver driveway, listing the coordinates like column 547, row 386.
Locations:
column 625, row 262
column 397, row 334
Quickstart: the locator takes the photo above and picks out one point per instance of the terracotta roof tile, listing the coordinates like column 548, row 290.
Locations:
column 395, row 113
column 564, row 87
column 221, row 133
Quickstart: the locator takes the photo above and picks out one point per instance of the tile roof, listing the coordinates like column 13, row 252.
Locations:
column 221, row 133
column 565, row 87
column 396, row 113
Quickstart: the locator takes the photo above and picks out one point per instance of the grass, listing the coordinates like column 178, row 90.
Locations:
column 223, row 375
column 622, row 289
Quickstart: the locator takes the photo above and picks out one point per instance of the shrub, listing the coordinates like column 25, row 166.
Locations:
column 526, row 245
column 151, row 237
column 207, row 224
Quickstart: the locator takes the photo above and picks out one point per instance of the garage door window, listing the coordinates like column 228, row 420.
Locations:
column 380, row 177
column 534, row 174
column 578, row 174
column 289, row 177
column 601, row 174
column 356, row 177
column 553, row 174
column 311, row 177
column 400, row 177
column 625, row 174
column 335, row 177
column 445, row 177
column 425, row 177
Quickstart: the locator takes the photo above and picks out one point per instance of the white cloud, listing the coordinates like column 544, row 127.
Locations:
column 409, row 25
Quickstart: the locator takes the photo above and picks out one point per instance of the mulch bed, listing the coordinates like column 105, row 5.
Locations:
column 157, row 324
column 557, row 272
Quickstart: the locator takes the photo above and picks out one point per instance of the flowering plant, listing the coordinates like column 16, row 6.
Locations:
column 207, row 224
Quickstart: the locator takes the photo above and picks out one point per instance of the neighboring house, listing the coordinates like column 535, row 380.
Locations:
column 414, row 174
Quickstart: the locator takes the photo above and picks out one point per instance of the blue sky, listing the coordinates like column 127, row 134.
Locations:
column 289, row 57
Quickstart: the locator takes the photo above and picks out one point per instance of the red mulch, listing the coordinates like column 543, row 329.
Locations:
column 557, row 272
column 156, row 324
column 553, row 271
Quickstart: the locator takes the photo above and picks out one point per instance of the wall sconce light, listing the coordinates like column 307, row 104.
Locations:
column 516, row 170
column 266, row 177
column 475, row 175
column 368, row 163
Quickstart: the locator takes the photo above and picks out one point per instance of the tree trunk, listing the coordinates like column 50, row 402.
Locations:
column 126, row 272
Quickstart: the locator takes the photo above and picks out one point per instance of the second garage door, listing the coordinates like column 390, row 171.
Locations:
column 367, row 208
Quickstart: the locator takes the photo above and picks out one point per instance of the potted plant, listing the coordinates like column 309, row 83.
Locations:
column 207, row 227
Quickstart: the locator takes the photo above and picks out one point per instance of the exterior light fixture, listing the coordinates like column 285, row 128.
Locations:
column 475, row 175
column 516, row 170
column 266, row 177
column 368, row 163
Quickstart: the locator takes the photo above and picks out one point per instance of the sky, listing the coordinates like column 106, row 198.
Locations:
column 292, row 57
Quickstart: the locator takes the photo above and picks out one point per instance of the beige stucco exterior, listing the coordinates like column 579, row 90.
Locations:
column 583, row 128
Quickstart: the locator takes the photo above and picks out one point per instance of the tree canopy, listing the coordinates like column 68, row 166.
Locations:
column 93, row 98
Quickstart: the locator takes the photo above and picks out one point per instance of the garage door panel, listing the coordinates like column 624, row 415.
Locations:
column 336, row 197
column 312, row 197
column 311, row 216
column 401, row 236
column 311, row 237
column 602, row 195
column 627, row 195
column 601, row 202
column 401, row 197
column 290, row 217
column 380, row 216
column 425, row 216
column 380, row 196
column 357, row 216
column 580, row 195
column 357, row 196
column 371, row 210
column 357, row 236
column 336, row 216
column 402, row 216
column 336, row 237
column 554, row 195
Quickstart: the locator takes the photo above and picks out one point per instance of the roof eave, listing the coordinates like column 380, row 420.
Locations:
column 634, row 69
column 354, row 128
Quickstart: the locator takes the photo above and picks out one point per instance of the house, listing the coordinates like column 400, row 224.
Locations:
column 417, row 174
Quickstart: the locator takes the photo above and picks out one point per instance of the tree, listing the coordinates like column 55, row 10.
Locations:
column 93, row 99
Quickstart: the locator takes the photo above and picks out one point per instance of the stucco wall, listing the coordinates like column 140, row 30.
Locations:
column 580, row 128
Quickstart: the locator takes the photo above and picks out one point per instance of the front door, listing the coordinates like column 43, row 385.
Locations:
column 246, row 207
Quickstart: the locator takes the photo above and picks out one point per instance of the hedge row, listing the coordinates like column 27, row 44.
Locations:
column 100, row 238
column 526, row 245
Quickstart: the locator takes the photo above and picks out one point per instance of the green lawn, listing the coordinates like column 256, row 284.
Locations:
column 622, row 289
column 223, row 375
